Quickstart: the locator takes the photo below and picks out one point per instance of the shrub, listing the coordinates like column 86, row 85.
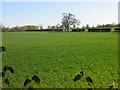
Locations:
column 117, row 29
column 78, row 30
column 99, row 30
column 47, row 30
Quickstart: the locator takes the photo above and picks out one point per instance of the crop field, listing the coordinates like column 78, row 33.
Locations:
column 57, row 57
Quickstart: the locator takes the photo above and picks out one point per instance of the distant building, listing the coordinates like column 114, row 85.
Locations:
column 30, row 27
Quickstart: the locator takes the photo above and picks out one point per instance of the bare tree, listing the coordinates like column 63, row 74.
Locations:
column 1, row 26
column 68, row 20
column 87, row 26
column 40, row 26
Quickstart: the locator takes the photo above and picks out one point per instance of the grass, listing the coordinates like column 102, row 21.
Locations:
column 58, row 57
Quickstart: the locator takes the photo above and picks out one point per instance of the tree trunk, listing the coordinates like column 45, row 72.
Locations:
column 67, row 28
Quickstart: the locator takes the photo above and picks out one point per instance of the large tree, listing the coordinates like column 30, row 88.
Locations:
column 1, row 26
column 68, row 20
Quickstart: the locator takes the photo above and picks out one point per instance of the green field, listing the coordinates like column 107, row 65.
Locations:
column 58, row 57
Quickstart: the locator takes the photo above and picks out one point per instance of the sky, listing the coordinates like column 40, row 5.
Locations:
column 50, row 13
column 119, row 12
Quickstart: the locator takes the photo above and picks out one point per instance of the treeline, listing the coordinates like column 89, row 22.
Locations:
column 79, row 30
column 47, row 30
column 98, row 28
column 21, row 28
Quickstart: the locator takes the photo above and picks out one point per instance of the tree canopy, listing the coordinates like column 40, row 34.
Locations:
column 68, row 20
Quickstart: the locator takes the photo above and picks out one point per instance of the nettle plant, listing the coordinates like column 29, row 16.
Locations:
column 90, row 81
column 2, row 48
column 4, row 73
column 27, row 82
column 80, row 75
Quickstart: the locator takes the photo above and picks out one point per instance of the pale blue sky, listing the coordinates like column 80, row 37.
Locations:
column 50, row 13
